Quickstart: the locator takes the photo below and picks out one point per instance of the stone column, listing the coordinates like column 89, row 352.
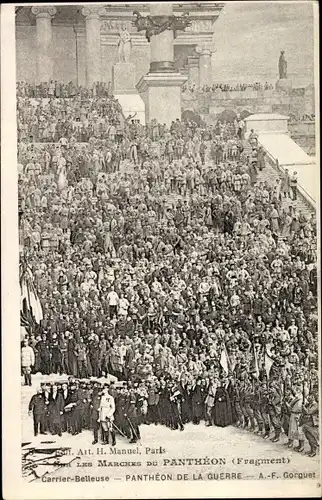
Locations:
column 205, row 70
column 93, row 43
column 161, row 87
column 45, row 64
column 161, row 45
column 193, row 70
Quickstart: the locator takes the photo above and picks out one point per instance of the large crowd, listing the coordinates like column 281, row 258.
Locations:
column 160, row 258
column 226, row 87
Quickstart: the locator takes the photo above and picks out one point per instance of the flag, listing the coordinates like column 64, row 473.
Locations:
column 268, row 363
column 255, row 363
column 30, row 307
column 224, row 362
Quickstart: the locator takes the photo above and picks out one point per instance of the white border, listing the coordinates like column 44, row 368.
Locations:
column 13, row 485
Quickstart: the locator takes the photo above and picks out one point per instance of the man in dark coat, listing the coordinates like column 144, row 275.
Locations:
column 94, row 406
column 121, row 404
column 222, row 406
column 275, row 408
column 72, row 356
column 197, row 399
column 71, row 409
column 55, row 410
column 153, row 400
column 63, row 345
column 176, row 397
column 44, row 355
column 131, row 415
column 38, row 409
column 65, row 396
column 310, row 420
column 55, row 354
column 93, row 352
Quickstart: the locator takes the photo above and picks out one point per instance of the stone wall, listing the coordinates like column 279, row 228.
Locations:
column 298, row 103
column 303, row 133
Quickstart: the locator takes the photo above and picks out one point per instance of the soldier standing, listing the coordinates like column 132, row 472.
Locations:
column 176, row 397
column 264, row 409
column 121, row 403
column 286, row 412
column 209, row 402
column 257, row 406
column 55, row 411
column 106, row 416
column 37, row 408
column 71, row 404
column 310, row 426
column 44, row 355
column 153, row 400
column 197, row 398
column 249, row 402
column 131, row 415
column 274, row 408
column 295, row 406
column 94, row 409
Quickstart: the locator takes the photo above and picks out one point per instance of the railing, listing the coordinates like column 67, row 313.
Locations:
column 303, row 194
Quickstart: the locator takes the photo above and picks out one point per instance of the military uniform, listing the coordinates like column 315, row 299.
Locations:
column 121, row 403
column 264, row 409
column 236, row 398
column 38, row 409
column 257, row 407
column 131, row 415
column 95, row 402
column 249, row 403
column 55, row 411
column 106, row 417
column 72, row 411
column 310, row 426
column 176, row 397
column 275, row 408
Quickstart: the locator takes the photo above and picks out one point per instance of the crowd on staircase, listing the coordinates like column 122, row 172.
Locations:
column 160, row 258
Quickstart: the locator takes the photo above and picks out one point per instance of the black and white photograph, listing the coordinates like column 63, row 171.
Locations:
column 167, row 225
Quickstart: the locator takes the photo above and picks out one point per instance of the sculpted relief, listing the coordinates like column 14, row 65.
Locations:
column 200, row 26
column 116, row 25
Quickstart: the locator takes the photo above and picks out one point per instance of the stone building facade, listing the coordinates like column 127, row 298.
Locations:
column 79, row 42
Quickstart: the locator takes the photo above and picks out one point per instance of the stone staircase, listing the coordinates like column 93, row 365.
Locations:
column 270, row 174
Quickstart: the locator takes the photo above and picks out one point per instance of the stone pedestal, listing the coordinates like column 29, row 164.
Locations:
column 161, row 93
column 283, row 85
column 123, row 78
column 160, row 89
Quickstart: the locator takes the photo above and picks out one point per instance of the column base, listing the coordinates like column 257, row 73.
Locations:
column 162, row 67
column 161, row 93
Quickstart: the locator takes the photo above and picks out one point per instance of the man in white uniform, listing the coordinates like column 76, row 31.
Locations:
column 106, row 416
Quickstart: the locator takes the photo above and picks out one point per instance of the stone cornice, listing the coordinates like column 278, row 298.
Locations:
column 160, row 79
column 197, row 12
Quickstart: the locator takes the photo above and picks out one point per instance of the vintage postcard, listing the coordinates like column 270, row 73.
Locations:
column 160, row 227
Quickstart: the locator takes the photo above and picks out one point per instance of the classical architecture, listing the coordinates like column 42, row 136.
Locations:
column 79, row 42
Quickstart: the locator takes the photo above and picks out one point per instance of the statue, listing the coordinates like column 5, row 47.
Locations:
column 282, row 66
column 157, row 24
column 124, row 45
